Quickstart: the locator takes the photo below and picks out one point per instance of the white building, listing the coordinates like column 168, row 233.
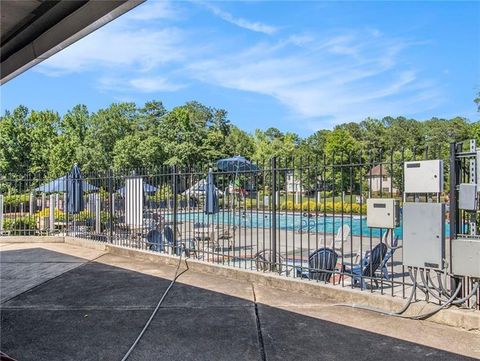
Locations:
column 293, row 184
column 379, row 179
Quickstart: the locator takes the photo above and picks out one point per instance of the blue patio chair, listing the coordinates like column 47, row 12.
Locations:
column 368, row 266
column 170, row 240
column 155, row 240
column 321, row 265
column 391, row 250
column 388, row 255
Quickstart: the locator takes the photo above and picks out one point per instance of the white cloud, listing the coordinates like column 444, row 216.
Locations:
column 117, row 47
column 243, row 23
column 344, row 78
column 154, row 84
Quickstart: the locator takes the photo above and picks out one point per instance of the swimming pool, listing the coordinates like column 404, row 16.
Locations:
column 291, row 222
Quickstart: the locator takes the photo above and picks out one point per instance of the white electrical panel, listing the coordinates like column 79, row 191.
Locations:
column 424, row 234
column 424, row 176
column 467, row 196
column 466, row 257
column 383, row 213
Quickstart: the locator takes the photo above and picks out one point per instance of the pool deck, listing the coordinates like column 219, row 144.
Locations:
column 64, row 302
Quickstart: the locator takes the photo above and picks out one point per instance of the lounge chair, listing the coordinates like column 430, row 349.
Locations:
column 321, row 265
column 222, row 234
column 368, row 266
column 214, row 237
column 342, row 236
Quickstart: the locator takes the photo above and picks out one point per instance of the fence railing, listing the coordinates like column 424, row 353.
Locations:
column 302, row 218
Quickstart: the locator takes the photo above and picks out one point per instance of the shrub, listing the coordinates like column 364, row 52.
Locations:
column 20, row 226
column 58, row 214
column 327, row 207
column 12, row 202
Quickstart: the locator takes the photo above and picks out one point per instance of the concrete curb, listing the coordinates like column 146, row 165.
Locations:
column 85, row 243
column 32, row 239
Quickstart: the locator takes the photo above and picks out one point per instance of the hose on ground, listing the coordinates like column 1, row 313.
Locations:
column 156, row 308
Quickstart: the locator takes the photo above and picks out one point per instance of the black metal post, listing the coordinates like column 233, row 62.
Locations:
column 453, row 194
column 65, row 205
column 111, row 205
column 174, row 189
column 453, row 211
column 274, row 213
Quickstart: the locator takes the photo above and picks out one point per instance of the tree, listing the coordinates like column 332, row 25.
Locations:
column 185, row 133
column 43, row 131
column 106, row 127
column 239, row 142
column 403, row 133
column 136, row 151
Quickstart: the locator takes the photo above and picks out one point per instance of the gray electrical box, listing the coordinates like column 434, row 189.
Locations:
column 383, row 213
column 467, row 196
column 466, row 257
column 424, row 176
column 424, row 235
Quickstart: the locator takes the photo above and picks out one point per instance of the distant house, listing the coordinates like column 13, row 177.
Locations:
column 293, row 184
column 379, row 179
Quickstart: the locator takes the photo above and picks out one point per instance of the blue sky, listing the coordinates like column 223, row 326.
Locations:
column 298, row 66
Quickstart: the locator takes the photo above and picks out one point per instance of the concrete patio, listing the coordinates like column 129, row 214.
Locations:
column 64, row 302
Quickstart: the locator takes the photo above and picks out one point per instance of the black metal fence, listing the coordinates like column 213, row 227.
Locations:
column 301, row 218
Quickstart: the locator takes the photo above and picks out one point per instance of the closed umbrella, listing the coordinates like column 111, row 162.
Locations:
column 75, row 190
column 211, row 200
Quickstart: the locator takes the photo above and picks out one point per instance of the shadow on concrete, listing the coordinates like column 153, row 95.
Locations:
column 95, row 312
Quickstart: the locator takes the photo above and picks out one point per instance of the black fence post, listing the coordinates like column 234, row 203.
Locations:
column 274, row 214
column 453, row 211
column 453, row 195
column 174, row 189
column 65, row 206
column 110, row 204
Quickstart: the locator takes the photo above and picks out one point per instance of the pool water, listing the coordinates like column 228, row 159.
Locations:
column 292, row 222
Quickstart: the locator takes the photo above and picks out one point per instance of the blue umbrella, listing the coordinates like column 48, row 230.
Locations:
column 211, row 201
column 147, row 188
column 236, row 164
column 75, row 190
column 59, row 185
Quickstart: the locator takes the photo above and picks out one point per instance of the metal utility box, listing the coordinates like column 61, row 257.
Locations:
column 383, row 213
column 424, row 176
column 466, row 257
column 467, row 196
column 424, row 234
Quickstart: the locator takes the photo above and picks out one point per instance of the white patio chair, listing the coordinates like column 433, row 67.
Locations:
column 342, row 235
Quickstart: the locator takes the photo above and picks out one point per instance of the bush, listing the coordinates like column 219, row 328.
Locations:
column 327, row 207
column 12, row 202
column 58, row 214
column 20, row 226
